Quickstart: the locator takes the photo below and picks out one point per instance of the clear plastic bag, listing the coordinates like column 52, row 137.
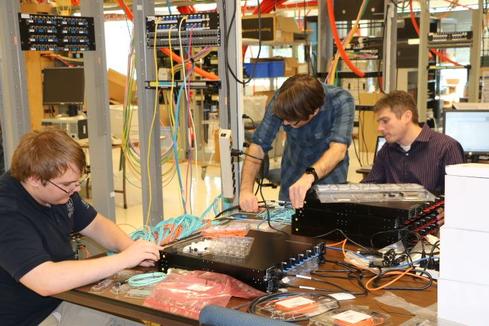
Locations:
column 351, row 316
column 295, row 307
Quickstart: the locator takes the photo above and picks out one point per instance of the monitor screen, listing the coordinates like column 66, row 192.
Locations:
column 380, row 142
column 470, row 129
column 63, row 85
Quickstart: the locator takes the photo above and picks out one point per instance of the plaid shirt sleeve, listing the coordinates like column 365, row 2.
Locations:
column 268, row 128
column 344, row 112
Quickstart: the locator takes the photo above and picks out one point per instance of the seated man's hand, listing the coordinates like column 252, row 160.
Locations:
column 141, row 252
column 248, row 202
column 297, row 192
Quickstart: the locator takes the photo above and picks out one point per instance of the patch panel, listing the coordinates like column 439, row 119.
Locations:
column 196, row 29
column 60, row 32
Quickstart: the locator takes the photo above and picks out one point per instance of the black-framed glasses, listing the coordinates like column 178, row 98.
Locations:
column 69, row 184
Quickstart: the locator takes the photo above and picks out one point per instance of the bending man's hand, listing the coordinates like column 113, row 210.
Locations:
column 248, row 202
column 142, row 253
column 297, row 192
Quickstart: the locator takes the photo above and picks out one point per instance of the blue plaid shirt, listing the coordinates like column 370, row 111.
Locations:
column 305, row 145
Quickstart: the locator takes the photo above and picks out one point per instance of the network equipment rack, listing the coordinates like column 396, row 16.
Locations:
column 193, row 84
column 272, row 255
column 374, row 224
column 197, row 30
column 450, row 36
column 56, row 33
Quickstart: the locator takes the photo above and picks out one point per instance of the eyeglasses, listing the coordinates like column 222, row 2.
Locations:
column 69, row 184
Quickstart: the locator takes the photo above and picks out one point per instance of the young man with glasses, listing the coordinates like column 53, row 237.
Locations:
column 318, row 121
column 39, row 208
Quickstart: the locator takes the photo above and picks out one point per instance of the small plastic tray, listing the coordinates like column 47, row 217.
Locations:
column 238, row 247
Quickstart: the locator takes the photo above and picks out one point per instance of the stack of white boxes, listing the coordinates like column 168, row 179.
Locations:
column 463, row 287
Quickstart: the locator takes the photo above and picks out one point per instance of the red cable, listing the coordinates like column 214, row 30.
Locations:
column 126, row 9
column 187, row 10
column 267, row 6
column 177, row 58
column 439, row 54
column 456, row 4
column 339, row 45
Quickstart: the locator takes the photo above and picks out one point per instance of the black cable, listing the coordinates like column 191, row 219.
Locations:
column 227, row 210
column 403, row 239
column 401, row 230
column 260, row 187
column 348, row 267
column 227, row 35
column 361, row 116
column 237, row 207
column 237, row 152
column 431, row 255
column 353, row 273
column 253, row 124
column 403, row 6
column 357, row 154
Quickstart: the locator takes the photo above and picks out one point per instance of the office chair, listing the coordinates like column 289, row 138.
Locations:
column 218, row 316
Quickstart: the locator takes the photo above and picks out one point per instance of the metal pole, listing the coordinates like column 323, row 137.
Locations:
column 325, row 39
column 14, row 105
column 475, row 55
column 390, row 48
column 97, row 101
column 149, row 136
column 423, row 61
column 231, row 92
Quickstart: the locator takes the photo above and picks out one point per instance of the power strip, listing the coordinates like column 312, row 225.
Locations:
column 228, row 179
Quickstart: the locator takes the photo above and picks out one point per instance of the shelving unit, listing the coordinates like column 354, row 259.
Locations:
column 425, row 44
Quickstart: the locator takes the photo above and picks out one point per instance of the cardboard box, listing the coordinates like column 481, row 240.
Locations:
column 269, row 94
column 290, row 66
column 274, row 28
column 117, row 87
column 302, row 68
column 367, row 131
column 368, row 98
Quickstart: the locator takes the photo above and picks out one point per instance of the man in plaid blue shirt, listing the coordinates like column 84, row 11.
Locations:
column 318, row 120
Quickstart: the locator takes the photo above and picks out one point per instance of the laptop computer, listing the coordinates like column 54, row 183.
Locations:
column 378, row 145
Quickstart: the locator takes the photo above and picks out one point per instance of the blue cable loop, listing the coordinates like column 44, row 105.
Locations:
column 188, row 223
column 277, row 215
column 146, row 279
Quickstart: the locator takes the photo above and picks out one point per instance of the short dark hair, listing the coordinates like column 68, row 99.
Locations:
column 398, row 102
column 46, row 154
column 298, row 98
